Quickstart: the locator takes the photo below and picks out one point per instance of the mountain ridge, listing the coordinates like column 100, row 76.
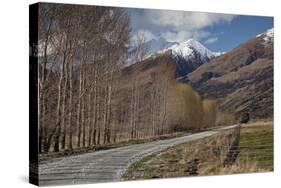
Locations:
column 188, row 56
column 241, row 80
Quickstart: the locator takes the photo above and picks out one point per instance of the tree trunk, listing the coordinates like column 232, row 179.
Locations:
column 89, row 117
column 105, row 115
column 78, row 122
column 83, row 108
column 64, row 106
column 95, row 106
column 108, row 132
column 132, row 110
column 70, row 106
column 58, row 111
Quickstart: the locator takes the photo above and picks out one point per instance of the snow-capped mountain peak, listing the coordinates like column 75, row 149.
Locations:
column 187, row 49
column 189, row 55
column 191, row 49
column 267, row 36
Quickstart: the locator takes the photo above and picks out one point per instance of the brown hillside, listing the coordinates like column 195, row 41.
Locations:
column 241, row 80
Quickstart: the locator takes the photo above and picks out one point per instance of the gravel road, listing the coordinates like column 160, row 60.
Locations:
column 106, row 165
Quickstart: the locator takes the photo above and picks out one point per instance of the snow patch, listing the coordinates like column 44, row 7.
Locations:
column 188, row 49
column 268, row 35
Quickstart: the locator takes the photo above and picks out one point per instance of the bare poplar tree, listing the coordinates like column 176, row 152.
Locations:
column 138, row 55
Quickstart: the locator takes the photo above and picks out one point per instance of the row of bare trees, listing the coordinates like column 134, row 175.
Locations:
column 80, row 51
column 86, row 97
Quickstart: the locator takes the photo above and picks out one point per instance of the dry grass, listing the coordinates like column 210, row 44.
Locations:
column 211, row 154
column 174, row 161
column 255, row 150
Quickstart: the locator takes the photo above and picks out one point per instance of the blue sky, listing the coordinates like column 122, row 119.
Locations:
column 238, row 31
column 218, row 32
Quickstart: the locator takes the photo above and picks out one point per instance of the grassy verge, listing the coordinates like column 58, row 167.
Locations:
column 256, row 144
column 208, row 156
column 255, row 150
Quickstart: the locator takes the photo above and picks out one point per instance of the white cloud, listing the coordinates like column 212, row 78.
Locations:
column 176, row 36
column 211, row 40
column 198, row 35
column 147, row 34
column 183, row 20
column 184, row 35
column 178, row 25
